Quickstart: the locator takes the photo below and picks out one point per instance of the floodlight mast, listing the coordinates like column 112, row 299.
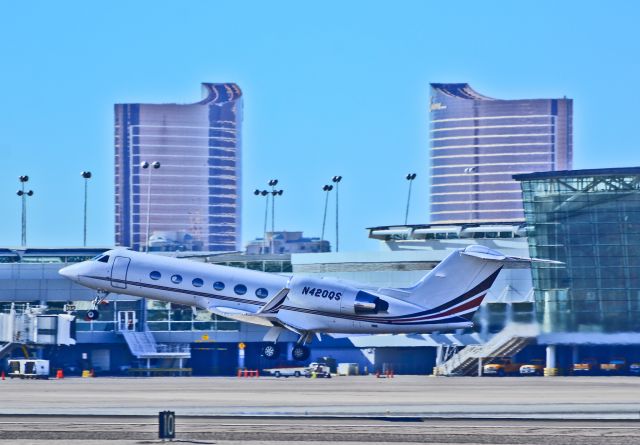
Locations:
column 23, row 195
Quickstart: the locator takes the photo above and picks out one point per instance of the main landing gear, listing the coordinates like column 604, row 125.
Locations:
column 299, row 353
column 93, row 314
column 271, row 351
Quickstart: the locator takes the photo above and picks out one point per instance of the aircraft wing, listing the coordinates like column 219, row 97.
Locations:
column 261, row 317
column 235, row 314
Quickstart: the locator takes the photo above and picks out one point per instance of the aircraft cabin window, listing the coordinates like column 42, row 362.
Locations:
column 104, row 259
column 155, row 275
column 261, row 292
column 240, row 289
column 197, row 282
column 176, row 279
column 218, row 285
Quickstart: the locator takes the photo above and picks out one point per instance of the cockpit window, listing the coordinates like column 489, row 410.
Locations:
column 104, row 259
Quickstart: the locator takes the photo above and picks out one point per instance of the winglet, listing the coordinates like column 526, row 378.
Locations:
column 274, row 304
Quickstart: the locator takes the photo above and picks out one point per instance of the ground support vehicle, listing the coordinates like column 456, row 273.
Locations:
column 587, row 366
column 287, row 372
column 28, row 369
column 318, row 370
column 535, row 367
column 634, row 369
column 616, row 366
column 501, row 366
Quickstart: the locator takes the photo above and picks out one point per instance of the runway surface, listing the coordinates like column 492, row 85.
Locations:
column 354, row 410
column 225, row 431
column 414, row 396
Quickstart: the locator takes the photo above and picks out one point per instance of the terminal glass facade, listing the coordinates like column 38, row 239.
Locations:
column 589, row 220
column 478, row 143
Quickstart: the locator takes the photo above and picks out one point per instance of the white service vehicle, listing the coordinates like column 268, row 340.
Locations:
column 287, row 372
column 28, row 369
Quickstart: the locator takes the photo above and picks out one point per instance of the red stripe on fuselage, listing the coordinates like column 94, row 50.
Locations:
column 464, row 307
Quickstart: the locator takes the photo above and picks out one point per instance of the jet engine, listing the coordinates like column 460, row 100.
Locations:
column 331, row 296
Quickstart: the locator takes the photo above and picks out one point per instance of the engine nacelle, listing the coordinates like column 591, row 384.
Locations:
column 331, row 296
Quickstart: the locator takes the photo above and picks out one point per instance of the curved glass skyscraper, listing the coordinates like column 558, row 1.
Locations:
column 478, row 143
column 192, row 202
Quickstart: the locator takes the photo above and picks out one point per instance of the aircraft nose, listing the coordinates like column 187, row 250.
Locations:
column 70, row 272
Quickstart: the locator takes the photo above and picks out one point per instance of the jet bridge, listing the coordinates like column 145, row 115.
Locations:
column 30, row 326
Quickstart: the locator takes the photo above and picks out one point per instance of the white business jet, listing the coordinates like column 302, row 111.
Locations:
column 444, row 299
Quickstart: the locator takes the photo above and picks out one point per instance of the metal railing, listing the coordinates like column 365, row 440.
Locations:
column 507, row 342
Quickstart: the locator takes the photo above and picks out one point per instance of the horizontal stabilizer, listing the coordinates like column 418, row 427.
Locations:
column 510, row 262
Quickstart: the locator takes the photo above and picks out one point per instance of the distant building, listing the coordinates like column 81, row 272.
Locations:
column 287, row 242
column 194, row 201
column 478, row 143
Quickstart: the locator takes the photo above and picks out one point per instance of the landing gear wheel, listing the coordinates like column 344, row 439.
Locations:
column 93, row 314
column 271, row 351
column 300, row 353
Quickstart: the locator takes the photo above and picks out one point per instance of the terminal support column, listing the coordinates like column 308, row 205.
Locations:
column 550, row 369
column 439, row 354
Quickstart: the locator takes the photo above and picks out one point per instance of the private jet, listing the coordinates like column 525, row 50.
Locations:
column 445, row 299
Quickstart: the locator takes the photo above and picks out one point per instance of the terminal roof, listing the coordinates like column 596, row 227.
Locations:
column 578, row 173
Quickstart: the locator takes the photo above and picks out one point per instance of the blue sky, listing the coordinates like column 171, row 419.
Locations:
column 329, row 88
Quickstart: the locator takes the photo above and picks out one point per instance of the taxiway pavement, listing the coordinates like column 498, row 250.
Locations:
column 613, row 398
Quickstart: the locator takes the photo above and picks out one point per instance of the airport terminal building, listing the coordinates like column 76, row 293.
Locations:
column 589, row 306
column 210, row 344
column 590, row 221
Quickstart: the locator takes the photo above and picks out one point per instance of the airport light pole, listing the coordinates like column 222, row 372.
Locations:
column 272, row 184
column 274, row 193
column 336, row 180
column 264, row 193
column 327, row 189
column 145, row 165
column 410, row 177
column 23, row 195
column 86, row 175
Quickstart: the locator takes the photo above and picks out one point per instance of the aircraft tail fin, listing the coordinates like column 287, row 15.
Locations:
column 458, row 285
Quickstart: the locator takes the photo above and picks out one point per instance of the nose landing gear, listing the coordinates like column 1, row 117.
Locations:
column 93, row 314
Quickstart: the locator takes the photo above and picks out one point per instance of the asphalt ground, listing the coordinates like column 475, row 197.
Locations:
column 616, row 398
column 354, row 410
column 225, row 431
